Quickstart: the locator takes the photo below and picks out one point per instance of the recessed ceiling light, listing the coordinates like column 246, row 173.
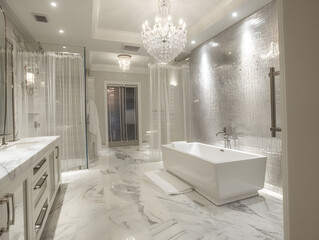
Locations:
column 61, row 31
column 64, row 47
column 229, row 53
column 53, row 4
column 234, row 14
column 193, row 42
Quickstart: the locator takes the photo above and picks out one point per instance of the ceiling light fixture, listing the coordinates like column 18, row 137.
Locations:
column 61, row 31
column 124, row 61
column 53, row 4
column 234, row 14
column 193, row 42
column 214, row 44
column 164, row 41
column 64, row 47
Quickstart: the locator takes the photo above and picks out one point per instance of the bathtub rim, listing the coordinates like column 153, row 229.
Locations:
column 255, row 156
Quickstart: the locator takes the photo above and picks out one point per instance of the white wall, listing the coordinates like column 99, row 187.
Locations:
column 299, row 40
column 101, row 77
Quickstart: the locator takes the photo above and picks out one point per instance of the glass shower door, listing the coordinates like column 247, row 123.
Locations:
column 122, row 115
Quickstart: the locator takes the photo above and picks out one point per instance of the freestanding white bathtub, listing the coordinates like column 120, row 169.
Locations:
column 221, row 175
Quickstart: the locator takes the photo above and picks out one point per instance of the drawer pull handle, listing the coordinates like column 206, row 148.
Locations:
column 41, row 182
column 40, row 219
column 5, row 200
column 39, row 165
column 11, row 196
column 57, row 152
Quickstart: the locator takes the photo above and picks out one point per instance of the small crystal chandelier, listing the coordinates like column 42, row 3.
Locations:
column 124, row 62
column 164, row 41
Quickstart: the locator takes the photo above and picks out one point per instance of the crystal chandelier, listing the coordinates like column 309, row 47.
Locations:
column 164, row 41
column 124, row 62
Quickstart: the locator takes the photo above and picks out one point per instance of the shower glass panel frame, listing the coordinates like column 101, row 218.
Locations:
column 10, row 121
column 122, row 107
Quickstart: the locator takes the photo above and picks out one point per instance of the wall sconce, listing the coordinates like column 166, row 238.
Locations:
column 29, row 82
column 124, row 62
column 173, row 83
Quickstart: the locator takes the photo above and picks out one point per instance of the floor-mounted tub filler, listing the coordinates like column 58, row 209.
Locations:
column 221, row 175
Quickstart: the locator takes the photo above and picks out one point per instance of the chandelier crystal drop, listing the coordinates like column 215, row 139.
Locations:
column 164, row 41
column 124, row 62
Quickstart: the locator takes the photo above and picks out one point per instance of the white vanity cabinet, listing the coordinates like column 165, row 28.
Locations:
column 13, row 210
column 28, row 189
column 46, row 180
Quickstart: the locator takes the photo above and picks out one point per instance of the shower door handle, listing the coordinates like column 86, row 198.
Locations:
column 272, row 74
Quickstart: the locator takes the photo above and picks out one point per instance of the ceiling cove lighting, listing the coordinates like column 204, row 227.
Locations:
column 53, row 4
column 164, row 41
column 124, row 61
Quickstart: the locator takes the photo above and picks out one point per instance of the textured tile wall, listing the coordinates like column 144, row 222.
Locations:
column 230, row 88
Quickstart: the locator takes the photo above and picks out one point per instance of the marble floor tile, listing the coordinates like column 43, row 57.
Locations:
column 113, row 200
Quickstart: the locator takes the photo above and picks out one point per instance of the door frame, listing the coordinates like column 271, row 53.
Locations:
column 284, row 139
column 139, row 108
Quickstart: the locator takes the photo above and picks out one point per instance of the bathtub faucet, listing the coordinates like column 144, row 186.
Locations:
column 226, row 137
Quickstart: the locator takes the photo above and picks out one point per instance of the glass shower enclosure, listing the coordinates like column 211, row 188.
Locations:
column 122, row 115
column 51, row 98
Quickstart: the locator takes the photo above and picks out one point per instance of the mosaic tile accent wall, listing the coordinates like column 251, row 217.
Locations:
column 230, row 88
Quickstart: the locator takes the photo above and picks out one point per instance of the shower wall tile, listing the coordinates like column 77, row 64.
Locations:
column 230, row 88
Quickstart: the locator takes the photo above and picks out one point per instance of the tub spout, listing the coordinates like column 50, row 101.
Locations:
column 226, row 137
column 223, row 132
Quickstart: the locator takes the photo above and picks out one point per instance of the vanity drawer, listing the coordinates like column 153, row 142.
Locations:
column 39, row 187
column 39, row 165
column 40, row 220
column 38, row 168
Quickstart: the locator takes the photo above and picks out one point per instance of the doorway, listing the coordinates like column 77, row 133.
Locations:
column 122, row 109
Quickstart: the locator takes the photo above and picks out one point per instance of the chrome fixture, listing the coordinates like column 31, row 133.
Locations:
column 164, row 41
column 226, row 137
column 272, row 74
column 5, row 200
column 124, row 61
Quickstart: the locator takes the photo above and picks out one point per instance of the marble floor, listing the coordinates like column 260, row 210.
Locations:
column 113, row 200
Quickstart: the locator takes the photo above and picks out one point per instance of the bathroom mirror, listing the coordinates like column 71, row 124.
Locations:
column 6, row 83
column 2, row 73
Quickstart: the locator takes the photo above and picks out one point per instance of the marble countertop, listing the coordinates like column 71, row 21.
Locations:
column 17, row 157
